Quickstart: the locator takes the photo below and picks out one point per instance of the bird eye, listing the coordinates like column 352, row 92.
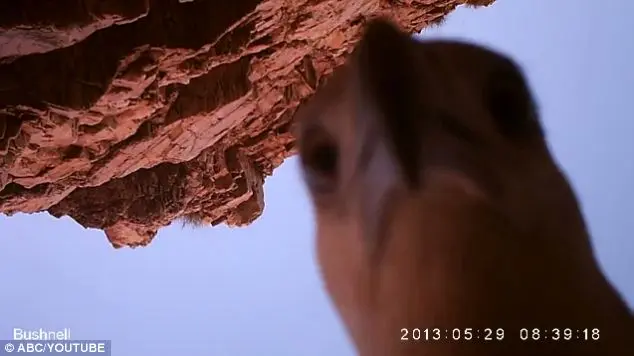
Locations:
column 510, row 103
column 319, row 155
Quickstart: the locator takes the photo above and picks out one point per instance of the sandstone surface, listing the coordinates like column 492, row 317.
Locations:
column 128, row 114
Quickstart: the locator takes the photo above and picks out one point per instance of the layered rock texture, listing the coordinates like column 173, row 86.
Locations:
column 128, row 114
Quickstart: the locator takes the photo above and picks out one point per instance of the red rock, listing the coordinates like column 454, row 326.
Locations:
column 128, row 114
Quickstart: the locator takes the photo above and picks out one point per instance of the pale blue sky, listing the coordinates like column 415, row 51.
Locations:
column 255, row 290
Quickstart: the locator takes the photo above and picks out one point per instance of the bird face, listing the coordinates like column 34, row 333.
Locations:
column 428, row 169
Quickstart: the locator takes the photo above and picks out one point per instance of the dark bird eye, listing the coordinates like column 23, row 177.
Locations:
column 319, row 155
column 510, row 103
